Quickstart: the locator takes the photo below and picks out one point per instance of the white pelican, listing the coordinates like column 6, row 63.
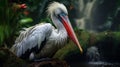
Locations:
column 43, row 40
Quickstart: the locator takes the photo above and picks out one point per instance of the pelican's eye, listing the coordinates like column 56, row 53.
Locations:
column 61, row 15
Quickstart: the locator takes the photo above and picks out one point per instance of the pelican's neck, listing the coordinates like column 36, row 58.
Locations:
column 58, row 23
column 61, row 34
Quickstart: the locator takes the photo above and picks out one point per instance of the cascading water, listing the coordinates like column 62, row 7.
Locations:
column 95, row 15
column 93, row 54
column 85, row 22
column 94, row 59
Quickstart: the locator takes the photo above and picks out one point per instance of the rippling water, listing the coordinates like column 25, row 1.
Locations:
column 94, row 64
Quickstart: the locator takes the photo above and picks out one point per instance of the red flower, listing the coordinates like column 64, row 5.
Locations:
column 23, row 6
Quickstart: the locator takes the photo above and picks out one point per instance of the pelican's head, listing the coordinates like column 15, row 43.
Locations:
column 60, row 14
column 56, row 9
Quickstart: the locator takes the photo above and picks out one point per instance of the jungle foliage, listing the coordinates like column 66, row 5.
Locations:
column 14, row 16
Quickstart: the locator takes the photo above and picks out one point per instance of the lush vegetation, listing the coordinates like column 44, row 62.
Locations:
column 17, row 14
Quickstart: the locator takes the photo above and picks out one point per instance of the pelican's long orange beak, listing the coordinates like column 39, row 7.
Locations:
column 70, row 31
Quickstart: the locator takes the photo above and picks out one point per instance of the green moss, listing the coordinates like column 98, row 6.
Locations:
column 83, row 38
column 87, row 39
column 8, row 59
column 70, row 47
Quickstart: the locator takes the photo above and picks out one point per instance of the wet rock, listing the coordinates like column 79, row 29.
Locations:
column 51, row 63
column 8, row 59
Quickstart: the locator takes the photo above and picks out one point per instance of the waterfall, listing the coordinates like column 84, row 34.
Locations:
column 81, row 5
column 88, row 9
column 92, row 54
column 95, row 14
column 85, row 21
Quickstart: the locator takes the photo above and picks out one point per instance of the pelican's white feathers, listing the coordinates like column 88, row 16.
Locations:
column 55, row 5
column 31, row 37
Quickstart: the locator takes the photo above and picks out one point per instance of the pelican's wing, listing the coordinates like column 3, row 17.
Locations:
column 30, row 38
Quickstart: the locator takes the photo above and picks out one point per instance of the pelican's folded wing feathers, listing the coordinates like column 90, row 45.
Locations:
column 31, row 37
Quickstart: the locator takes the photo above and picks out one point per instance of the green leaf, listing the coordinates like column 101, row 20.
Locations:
column 26, row 20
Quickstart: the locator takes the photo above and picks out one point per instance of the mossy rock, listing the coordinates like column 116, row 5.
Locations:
column 8, row 59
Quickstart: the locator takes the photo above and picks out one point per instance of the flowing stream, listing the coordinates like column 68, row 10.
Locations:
column 93, row 59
